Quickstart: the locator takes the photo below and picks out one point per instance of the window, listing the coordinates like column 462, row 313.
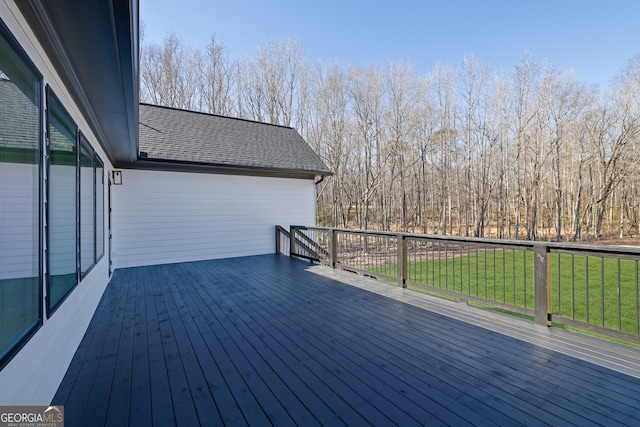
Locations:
column 99, row 208
column 75, row 205
column 61, row 204
column 87, row 206
column 20, row 130
column 91, row 202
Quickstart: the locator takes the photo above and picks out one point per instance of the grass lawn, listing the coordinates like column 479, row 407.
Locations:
column 582, row 288
column 588, row 288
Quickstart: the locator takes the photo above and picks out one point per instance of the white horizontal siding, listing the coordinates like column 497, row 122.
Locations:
column 19, row 216
column 62, row 213
column 167, row 217
column 86, row 217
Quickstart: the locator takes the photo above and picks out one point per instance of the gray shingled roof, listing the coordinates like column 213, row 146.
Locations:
column 170, row 134
column 20, row 127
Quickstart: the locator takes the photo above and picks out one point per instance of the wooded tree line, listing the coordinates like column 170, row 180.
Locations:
column 525, row 153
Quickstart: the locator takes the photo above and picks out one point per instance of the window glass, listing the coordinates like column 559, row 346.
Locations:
column 99, row 208
column 62, row 212
column 87, row 206
column 20, row 293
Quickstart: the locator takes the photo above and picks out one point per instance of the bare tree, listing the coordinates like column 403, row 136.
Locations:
column 169, row 74
column 401, row 124
column 329, row 135
column 217, row 79
column 480, row 135
column 562, row 101
column 444, row 101
column 367, row 106
column 271, row 81
column 613, row 133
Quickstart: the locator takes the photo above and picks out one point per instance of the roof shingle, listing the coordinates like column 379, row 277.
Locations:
column 170, row 134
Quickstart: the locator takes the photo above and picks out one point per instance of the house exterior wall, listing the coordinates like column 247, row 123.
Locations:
column 167, row 217
column 33, row 375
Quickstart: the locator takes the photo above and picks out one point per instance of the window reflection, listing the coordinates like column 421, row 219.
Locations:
column 87, row 206
column 61, row 203
column 20, row 293
column 99, row 208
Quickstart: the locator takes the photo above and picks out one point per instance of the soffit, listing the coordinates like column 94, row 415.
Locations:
column 94, row 47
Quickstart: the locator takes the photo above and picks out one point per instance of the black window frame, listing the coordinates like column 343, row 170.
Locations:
column 51, row 308
column 99, row 250
column 26, row 62
column 83, row 143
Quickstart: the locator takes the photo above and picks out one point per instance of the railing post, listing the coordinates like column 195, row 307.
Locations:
column 277, row 240
column 292, row 241
column 402, row 260
column 333, row 242
column 541, row 275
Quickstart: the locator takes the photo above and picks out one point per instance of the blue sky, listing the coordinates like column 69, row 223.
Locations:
column 594, row 37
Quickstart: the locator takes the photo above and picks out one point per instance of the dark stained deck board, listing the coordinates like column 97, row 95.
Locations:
column 381, row 327
column 351, row 347
column 179, row 390
column 225, row 371
column 569, row 373
column 101, row 340
column 114, row 356
column 277, row 402
column 443, row 384
column 119, row 398
column 140, row 408
column 302, row 375
column 477, row 352
column 197, row 390
column 161, row 404
column 563, row 345
column 359, row 378
column 238, row 350
column 343, row 374
column 617, row 357
column 524, row 371
column 449, row 363
column 267, row 340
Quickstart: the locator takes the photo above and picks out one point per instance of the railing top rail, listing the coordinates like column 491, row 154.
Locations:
column 474, row 240
column 282, row 230
column 576, row 248
column 605, row 250
column 527, row 244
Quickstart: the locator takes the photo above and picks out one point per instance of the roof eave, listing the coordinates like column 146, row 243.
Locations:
column 184, row 166
column 94, row 47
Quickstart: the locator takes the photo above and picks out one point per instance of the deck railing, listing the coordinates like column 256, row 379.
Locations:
column 588, row 287
column 282, row 241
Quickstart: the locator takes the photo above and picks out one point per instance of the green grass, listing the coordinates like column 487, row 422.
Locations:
column 498, row 275
column 588, row 288
column 599, row 291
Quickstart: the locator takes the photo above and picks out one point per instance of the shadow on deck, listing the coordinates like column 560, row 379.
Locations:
column 268, row 340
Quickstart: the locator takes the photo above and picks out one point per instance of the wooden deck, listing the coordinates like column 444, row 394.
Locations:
column 267, row 340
